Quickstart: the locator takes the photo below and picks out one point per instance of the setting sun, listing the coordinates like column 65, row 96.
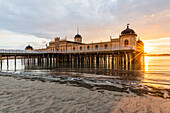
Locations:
column 147, row 48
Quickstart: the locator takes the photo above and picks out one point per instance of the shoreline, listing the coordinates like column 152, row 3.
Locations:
column 24, row 95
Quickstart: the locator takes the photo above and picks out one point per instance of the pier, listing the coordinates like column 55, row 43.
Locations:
column 123, row 53
column 116, row 58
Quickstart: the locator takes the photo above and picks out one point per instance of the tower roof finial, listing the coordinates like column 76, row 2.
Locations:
column 128, row 25
column 77, row 30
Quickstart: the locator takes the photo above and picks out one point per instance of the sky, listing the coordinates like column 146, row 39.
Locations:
column 36, row 22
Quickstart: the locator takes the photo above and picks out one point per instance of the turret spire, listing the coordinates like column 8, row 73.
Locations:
column 77, row 30
column 128, row 26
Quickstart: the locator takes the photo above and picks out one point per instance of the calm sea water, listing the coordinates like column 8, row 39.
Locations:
column 153, row 80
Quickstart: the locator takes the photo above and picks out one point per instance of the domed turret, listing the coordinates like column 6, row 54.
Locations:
column 78, row 37
column 128, row 37
column 128, row 31
column 29, row 48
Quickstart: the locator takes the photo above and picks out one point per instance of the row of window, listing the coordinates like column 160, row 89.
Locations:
column 126, row 42
column 88, row 47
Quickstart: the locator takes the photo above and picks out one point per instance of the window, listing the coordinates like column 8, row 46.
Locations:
column 105, row 46
column 96, row 46
column 73, row 48
column 126, row 42
column 88, row 47
column 56, row 44
column 80, row 48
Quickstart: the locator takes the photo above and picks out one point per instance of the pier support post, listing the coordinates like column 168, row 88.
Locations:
column 129, row 61
column 113, row 60
column 118, row 55
column 92, row 59
column 133, row 61
column 108, row 60
column 105, row 59
column 71, row 58
column 48, row 59
column 62, row 58
column 68, row 57
column 124, row 60
column 89, row 59
column 78, row 59
column 82, row 59
column 43, row 59
column 59, row 58
column 53, row 58
column 24, row 59
column 121, row 60
column 7, row 62
column 1, row 61
column 28, row 59
column 34, row 60
column 97, row 59
column 15, row 62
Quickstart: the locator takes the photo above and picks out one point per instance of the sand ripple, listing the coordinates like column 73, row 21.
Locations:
column 25, row 96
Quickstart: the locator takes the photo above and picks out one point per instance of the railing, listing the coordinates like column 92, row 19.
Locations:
column 69, row 51
column 15, row 51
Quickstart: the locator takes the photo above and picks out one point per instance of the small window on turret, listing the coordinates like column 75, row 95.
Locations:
column 73, row 48
column 126, row 43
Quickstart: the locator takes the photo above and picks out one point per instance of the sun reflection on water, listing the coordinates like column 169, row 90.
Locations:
column 146, row 62
column 155, row 78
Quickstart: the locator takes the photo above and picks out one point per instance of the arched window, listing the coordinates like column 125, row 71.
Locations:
column 80, row 48
column 88, row 47
column 96, row 46
column 73, row 48
column 126, row 42
column 105, row 46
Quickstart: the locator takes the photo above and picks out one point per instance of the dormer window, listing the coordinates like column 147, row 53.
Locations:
column 126, row 43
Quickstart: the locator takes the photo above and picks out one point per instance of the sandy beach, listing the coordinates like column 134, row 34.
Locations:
column 24, row 95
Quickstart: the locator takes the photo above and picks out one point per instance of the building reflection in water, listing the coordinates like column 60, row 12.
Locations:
column 141, row 79
column 105, row 67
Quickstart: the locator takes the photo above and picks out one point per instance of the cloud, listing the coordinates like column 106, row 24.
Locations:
column 97, row 19
column 158, row 46
column 12, row 40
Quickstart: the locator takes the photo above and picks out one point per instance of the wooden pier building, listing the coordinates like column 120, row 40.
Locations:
column 124, row 52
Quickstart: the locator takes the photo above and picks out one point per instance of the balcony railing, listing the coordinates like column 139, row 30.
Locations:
column 69, row 51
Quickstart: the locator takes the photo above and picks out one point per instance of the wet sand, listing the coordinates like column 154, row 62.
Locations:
column 24, row 95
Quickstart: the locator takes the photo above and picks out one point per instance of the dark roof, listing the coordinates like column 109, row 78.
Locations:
column 74, row 42
column 128, row 31
column 77, row 36
column 29, row 47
